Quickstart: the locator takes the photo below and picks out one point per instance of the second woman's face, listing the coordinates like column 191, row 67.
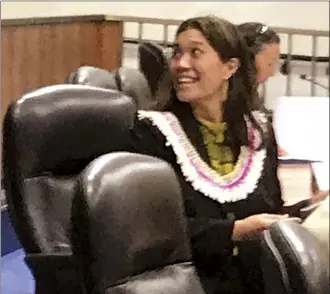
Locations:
column 266, row 62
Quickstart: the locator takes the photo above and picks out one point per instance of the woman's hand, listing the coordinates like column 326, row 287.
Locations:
column 252, row 226
column 318, row 196
column 281, row 152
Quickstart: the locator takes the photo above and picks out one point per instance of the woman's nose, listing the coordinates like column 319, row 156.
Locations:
column 182, row 62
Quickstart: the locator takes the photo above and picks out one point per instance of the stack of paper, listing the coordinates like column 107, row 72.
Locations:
column 301, row 127
column 295, row 180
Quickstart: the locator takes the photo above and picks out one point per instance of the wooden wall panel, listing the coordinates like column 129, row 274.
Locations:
column 39, row 55
column 112, row 45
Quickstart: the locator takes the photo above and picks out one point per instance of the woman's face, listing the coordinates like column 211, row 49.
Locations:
column 266, row 62
column 197, row 71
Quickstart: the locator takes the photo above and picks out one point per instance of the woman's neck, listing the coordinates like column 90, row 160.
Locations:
column 211, row 108
column 208, row 111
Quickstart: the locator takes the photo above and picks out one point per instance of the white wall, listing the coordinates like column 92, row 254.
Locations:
column 307, row 15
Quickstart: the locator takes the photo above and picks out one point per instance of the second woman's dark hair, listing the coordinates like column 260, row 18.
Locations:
column 243, row 98
column 257, row 35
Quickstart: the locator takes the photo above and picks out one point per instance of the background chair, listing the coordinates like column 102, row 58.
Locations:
column 294, row 260
column 153, row 63
column 318, row 224
column 50, row 136
column 133, row 83
column 129, row 228
column 129, row 81
column 92, row 76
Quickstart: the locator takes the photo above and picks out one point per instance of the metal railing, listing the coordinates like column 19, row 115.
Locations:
column 164, row 39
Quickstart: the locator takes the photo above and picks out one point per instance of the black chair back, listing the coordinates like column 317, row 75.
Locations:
column 50, row 135
column 294, row 261
column 130, row 229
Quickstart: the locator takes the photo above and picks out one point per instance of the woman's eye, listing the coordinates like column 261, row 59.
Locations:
column 195, row 52
column 175, row 53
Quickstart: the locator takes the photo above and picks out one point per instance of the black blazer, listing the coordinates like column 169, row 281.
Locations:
column 210, row 224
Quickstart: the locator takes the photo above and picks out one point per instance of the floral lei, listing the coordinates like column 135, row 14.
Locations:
column 232, row 187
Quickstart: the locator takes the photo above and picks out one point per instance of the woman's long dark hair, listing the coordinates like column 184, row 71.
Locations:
column 243, row 98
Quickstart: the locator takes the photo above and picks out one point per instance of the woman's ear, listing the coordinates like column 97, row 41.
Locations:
column 232, row 66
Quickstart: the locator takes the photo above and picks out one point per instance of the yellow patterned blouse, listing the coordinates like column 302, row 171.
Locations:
column 221, row 156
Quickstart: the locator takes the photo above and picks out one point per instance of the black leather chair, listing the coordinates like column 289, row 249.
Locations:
column 153, row 63
column 130, row 230
column 92, row 76
column 127, row 80
column 134, row 84
column 50, row 136
column 294, row 261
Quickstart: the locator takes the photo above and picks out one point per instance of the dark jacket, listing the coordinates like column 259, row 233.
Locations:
column 210, row 223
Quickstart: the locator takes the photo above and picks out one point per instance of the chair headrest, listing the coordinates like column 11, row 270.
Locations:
column 153, row 63
column 65, row 123
column 299, row 256
column 134, row 84
column 93, row 76
column 129, row 81
column 129, row 217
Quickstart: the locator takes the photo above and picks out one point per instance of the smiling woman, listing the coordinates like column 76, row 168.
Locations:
column 210, row 126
